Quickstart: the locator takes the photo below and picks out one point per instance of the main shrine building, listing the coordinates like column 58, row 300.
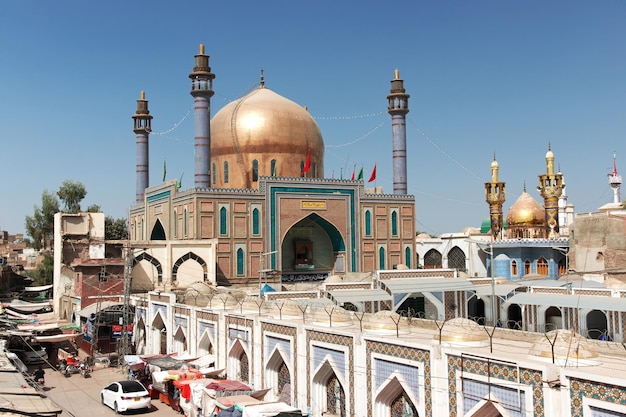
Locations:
column 261, row 206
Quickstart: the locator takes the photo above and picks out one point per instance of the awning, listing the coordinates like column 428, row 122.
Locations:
column 271, row 409
column 593, row 302
column 415, row 285
column 38, row 289
column 359, row 295
column 91, row 309
column 227, row 385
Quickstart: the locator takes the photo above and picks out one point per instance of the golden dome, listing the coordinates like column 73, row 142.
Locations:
column 526, row 211
column 460, row 331
column 564, row 347
column 263, row 126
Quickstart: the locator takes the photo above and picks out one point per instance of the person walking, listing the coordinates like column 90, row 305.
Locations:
column 39, row 376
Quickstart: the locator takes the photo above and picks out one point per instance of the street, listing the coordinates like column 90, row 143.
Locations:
column 80, row 396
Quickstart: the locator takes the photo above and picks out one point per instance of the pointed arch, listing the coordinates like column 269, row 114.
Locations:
column 432, row 259
column 190, row 256
column 328, row 390
column 456, row 259
column 180, row 340
column 205, row 344
column 141, row 277
column 238, row 362
column 158, row 232
column 395, row 399
column 279, row 374
column 542, row 266
column 394, row 223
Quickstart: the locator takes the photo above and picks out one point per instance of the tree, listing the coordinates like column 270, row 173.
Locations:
column 115, row 229
column 72, row 193
column 44, row 272
column 40, row 227
column 94, row 208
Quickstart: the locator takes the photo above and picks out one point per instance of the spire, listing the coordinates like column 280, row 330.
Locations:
column 262, row 83
column 615, row 181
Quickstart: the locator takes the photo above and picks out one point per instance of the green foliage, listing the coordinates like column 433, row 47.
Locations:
column 71, row 194
column 43, row 275
column 115, row 229
column 94, row 208
column 40, row 226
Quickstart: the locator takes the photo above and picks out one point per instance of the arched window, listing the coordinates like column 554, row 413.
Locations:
column 255, row 170
column 225, row 172
column 432, row 259
column 223, row 223
column 542, row 266
column 513, row 268
column 273, row 168
column 185, row 222
column 394, row 223
column 213, row 172
column 407, row 257
column 240, row 262
column 255, row 221
column 335, row 397
column 381, row 258
column 527, row 269
column 456, row 259
column 403, row 407
column 368, row 223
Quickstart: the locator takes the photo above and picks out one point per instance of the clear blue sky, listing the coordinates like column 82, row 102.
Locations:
column 484, row 76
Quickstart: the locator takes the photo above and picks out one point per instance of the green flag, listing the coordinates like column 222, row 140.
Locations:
column 164, row 170
column 360, row 177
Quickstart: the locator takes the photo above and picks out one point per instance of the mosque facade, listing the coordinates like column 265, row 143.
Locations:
column 261, row 207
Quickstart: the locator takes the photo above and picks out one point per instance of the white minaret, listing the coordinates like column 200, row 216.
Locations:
column 615, row 181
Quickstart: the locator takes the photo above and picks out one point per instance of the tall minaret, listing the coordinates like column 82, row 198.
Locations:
column 142, row 122
column 550, row 187
column 615, row 181
column 495, row 194
column 398, row 108
column 202, row 91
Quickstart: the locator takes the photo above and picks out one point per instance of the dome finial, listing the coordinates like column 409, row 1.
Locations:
column 396, row 74
column 262, row 83
column 524, row 185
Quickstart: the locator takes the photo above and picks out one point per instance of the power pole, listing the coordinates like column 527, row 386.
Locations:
column 128, row 270
column 96, row 320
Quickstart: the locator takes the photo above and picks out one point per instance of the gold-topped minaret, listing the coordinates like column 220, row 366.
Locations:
column 495, row 195
column 551, row 187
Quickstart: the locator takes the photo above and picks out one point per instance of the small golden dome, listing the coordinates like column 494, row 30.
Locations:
column 494, row 164
column 526, row 211
column 263, row 126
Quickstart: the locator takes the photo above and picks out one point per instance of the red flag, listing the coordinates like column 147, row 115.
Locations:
column 353, row 172
column 307, row 165
column 373, row 176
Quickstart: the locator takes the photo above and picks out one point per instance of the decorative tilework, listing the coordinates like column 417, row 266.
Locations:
column 287, row 331
column 159, row 308
column 339, row 340
column 208, row 327
column 493, row 370
column 285, row 345
column 384, row 369
column 403, row 352
column 598, row 412
column 580, row 388
column 337, row 356
column 509, row 398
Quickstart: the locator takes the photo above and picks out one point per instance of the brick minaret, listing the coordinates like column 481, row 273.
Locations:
column 142, row 122
column 202, row 91
column 398, row 108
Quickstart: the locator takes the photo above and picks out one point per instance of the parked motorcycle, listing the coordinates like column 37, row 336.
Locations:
column 72, row 365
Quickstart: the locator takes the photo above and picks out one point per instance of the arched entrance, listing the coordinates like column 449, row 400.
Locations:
column 476, row 309
column 159, row 335
column 328, row 392
column 514, row 317
column 313, row 245
column 279, row 377
column 393, row 400
column 596, row 325
column 554, row 319
column 140, row 337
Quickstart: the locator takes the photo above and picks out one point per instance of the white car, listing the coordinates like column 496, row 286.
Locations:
column 125, row 395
